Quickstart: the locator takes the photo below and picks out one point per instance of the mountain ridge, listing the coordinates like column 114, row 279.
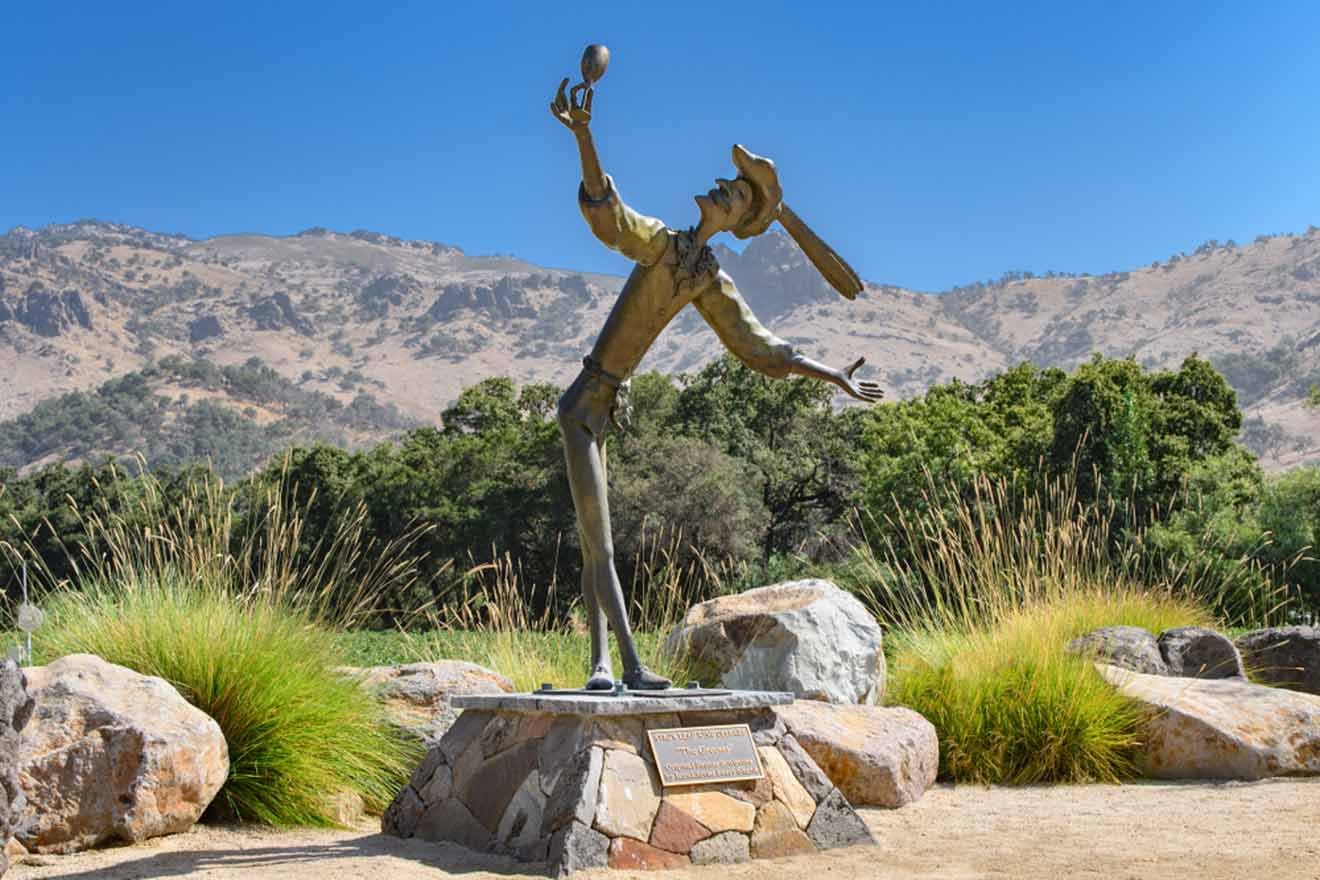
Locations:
column 91, row 300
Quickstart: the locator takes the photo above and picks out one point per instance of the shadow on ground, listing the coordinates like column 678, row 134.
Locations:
column 273, row 861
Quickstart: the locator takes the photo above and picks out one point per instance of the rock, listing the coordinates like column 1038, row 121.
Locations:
column 675, row 830
column 728, row 848
column 837, row 824
column 1284, row 656
column 521, row 825
column 1222, row 728
column 13, row 852
column 417, row 694
column 576, row 847
column 629, row 854
column 451, row 821
column 488, row 790
column 1128, row 647
column 813, row 779
column 625, row 734
column 807, row 637
column 573, row 799
column 629, row 796
column 777, row 834
column 464, row 732
column 1197, row 652
column 876, row 756
column 715, row 810
column 786, row 787
column 563, row 742
column 439, row 786
column 111, row 754
column 15, row 711
column 50, row 314
column 754, row 791
column 403, row 814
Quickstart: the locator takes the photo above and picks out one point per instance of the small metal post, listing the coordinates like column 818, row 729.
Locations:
column 27, row 648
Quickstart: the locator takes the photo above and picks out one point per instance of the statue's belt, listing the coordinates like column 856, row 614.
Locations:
column 620, row 409
column 594, row 368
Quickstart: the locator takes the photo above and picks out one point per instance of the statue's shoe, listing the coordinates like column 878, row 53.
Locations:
column 601, row 680
column 643, row 679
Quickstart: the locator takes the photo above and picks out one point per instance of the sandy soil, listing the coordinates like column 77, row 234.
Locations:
column 1208, row 831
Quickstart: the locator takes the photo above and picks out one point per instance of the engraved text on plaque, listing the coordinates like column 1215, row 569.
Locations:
column 692, row 755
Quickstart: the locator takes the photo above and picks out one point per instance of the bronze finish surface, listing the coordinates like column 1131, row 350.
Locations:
column 673, row 269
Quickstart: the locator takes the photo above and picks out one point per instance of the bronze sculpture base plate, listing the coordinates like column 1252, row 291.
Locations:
column 670, row 693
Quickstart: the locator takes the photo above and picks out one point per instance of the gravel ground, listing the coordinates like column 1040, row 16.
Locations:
column 1197, row 829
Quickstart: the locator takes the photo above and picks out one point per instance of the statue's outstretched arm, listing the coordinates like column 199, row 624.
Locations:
column 732, row 320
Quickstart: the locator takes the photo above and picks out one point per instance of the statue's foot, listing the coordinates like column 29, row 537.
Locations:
column 602, row 679
column 643, row 679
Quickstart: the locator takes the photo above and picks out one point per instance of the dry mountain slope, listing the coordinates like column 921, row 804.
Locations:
column 414, row 322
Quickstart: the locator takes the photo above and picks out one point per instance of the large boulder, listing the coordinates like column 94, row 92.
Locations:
column 416, row 695
column 808, row 637
column 1222, row 728
column 15, row 710
column 1284, row 656
column 1197, row 652
column 113, row 755
column 878, row 757
column 1127, row 647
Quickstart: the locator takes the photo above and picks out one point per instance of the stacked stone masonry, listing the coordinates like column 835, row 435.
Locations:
column 580, row 791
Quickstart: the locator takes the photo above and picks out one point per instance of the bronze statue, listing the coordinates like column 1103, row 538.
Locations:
column 674, row 268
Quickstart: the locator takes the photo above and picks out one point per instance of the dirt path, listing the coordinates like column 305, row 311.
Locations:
column 1207, row 831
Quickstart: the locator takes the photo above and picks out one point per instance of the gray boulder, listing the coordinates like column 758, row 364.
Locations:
column 1127, row 647
column 808, row 637
column 1284, row 656
column 1197, row 652
column 15, row 710
column 110, row 754
column 417, row 695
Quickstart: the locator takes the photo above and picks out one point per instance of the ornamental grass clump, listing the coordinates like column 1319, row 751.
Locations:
column 1013, row 707
column 223, row 606
column 297, row 733
column 980, row 599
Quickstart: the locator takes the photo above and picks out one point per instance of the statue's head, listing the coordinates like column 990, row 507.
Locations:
column 748, row 204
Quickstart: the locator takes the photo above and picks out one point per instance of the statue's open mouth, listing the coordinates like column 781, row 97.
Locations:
column 720, row 196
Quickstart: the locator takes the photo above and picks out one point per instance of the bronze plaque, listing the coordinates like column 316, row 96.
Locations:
column 692, row 755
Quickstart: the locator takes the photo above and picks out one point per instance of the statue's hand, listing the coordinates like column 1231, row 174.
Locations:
column 867, row 391
column 573, row 112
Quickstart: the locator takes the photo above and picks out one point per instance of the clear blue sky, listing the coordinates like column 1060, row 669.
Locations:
column 932, row 144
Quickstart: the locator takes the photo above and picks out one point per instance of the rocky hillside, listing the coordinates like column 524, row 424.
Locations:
column 413, row 322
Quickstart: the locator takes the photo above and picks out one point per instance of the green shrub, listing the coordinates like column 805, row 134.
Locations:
column 297, row 732
column 222, row 604
column 1012, row 707
column 979, row 620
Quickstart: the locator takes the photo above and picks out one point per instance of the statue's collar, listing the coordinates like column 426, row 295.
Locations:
column 693, row 264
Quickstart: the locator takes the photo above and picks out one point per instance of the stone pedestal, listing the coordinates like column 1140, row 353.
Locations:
column 570, row 781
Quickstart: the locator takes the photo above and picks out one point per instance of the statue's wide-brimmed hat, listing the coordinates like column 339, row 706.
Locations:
column 760, row 173
column 768, row 205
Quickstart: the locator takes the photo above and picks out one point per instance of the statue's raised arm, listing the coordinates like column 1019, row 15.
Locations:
column 638, row 237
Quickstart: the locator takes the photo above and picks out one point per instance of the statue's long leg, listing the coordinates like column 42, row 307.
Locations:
column 596, row 623
column 586, row 479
